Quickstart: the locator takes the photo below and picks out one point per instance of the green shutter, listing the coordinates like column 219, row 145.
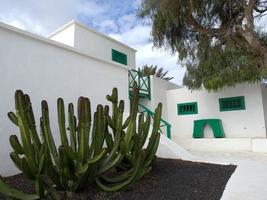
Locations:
column 232, row 103
column 187, row 108
column 119, row 57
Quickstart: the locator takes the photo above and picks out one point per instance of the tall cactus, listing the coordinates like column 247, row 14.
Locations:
column 74, row 164
column 136, row 160
column 30, row 155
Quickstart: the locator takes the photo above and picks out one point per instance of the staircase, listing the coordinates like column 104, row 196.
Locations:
column 143, row 84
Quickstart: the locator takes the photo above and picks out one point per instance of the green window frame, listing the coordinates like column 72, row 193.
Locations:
column 232, row 103
column 119, row 57
column 189, row 108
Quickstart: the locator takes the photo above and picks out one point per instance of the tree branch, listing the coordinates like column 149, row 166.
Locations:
column 196, row 27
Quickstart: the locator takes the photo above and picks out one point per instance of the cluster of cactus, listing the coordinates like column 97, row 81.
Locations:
column 136, row 160
column 91, row 150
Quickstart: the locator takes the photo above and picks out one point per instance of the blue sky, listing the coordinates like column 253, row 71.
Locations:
column 116, row 18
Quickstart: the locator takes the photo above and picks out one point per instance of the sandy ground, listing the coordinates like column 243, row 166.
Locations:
column 249, row 181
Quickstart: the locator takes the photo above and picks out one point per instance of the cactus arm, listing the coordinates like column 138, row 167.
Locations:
column 16, row 160
column 128, row 137
column 119, row 178
column 31, row 121
column 14, row 141
column 117, row 141
column 62, row 121
column 84, row 127
column 97, row 157
column 109, row 141
column 156, row 125
column 110, row 165
column 150, row 153
column 23, row 124
column 121, row 185
column 12, row 116
column 99, row 131
column 45, row 125
column 146, row 127
column 72, row 126
column 125, row 124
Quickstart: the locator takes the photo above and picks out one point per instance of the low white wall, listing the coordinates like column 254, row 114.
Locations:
column 256, row 145
column 246, row 123
column 46, row 70
column 216, row 144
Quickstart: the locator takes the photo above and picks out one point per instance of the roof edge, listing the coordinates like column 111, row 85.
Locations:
column 73, row 22
column 57, row 44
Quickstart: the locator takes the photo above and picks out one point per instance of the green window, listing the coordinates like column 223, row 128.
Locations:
column 187, row 108
column 119, row 57
column 232, row 103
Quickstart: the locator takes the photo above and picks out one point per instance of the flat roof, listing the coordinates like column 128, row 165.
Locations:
column 91, row 30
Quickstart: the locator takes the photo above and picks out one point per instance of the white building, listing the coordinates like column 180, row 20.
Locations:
column 76, row 60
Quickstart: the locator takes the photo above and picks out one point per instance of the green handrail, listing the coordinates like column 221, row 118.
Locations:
column 142, row 81
column 163, row 123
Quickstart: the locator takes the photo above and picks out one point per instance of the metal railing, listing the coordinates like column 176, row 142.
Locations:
column 165, row 127
column 142, row 81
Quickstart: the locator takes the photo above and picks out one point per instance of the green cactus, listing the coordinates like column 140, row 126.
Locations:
column 89, row 149
column 75, row 163
column 135, row 160
column 29, row 154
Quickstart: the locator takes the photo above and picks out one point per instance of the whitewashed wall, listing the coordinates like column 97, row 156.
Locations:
column 159, row 88
column 264, row 101
column 237, row 124
column 46, row 70
column 92, row 42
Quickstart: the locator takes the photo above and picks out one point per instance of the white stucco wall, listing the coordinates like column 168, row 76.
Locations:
column 65, row 35
column 237, row 124
column 46, row 70
column 159, row 88
column 264, row 101
column 92, row 42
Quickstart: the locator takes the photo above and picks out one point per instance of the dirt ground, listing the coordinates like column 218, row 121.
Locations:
column 170, row 179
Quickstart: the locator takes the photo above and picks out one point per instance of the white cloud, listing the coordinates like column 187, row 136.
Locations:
column 127, row 22
column 137, row 35
column 108, row 26
column 44, row 16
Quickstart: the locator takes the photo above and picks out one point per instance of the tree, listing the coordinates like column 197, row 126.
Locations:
column 153, row 70
column 217, row 41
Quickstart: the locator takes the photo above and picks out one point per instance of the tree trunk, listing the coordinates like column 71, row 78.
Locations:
column 259, row 49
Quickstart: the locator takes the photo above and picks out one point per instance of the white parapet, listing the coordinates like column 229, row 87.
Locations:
column 257, row 145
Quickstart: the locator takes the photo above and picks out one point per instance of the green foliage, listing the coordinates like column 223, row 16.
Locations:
column 153, row 70
column 82, row 157
column 234, row 64
column 212, row 39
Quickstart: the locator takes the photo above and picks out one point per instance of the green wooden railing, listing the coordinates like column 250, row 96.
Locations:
column 143, row 84
column 165, row 127
column 142, row 81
